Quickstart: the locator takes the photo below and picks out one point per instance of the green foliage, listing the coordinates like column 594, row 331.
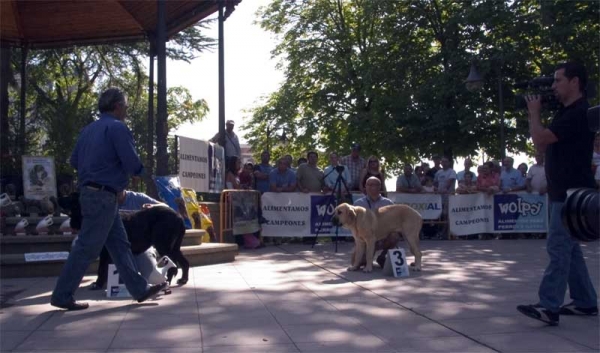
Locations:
column 63, row 86
column 390, row 74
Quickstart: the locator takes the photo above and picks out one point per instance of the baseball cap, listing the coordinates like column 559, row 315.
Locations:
column 230, row 122
column 356, row 146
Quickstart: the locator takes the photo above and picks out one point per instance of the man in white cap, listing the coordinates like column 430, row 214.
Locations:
column 232, row 143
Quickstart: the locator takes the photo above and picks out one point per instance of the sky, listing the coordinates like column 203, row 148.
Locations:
column 250, row 73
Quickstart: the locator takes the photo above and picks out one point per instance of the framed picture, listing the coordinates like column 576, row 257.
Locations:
column 39, row 177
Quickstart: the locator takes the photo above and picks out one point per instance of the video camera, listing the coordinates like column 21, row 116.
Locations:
column 581, row 211
column 339, row 169
column 541, row 86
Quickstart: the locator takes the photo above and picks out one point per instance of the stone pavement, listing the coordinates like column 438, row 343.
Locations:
column 292, row 298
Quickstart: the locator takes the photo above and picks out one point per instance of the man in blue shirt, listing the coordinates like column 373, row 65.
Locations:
column 262, row 171
column 131, row 200
column 511, row 179
column 104, row 158
column 374, row 201
column 282, row 179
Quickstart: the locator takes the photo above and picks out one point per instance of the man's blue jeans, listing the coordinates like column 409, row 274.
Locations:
column 101, row 225
column 567, row 266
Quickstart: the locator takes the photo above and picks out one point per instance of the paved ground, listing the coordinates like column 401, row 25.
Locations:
column 292, row 298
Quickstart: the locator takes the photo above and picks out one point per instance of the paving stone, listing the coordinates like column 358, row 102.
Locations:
column 295, row 298
column 87, row 338
column 538, row 341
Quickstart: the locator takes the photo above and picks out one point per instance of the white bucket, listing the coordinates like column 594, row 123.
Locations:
column 5, row 200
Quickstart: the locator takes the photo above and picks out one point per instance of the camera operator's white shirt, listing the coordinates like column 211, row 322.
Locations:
column 537, row 175
column 331, row 176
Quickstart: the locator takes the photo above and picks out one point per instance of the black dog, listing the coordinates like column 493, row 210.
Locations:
column 158, row 226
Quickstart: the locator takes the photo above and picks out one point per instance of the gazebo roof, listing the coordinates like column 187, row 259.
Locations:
column 60, row 23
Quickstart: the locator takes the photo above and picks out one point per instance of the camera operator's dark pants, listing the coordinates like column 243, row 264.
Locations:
column 567, row 267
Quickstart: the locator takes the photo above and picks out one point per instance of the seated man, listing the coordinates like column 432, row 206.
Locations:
column 373, row 201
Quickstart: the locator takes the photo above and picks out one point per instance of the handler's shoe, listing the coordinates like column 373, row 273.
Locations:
column 538, row 312
column 571, row 309
column 152, row 291
column 71, row 306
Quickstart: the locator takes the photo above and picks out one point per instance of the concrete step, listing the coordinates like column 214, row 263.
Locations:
column 15, row 266
column 13, row 248
column 20, row 244
column 210, row 253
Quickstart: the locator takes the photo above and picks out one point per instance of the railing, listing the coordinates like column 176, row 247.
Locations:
column 248, row 206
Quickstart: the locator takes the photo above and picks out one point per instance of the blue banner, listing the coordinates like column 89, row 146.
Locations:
column 321, row 210
column 520, row 213
column 169, row 190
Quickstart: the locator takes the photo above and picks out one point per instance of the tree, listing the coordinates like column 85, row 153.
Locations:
column 390, row 74
column 63, row 86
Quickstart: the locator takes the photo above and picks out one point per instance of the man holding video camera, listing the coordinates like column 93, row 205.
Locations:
column 568, row 143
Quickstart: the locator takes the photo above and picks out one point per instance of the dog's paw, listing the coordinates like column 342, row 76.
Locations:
column 414, row 267
column 96, row 286
column 182, row 281
column 352, row 268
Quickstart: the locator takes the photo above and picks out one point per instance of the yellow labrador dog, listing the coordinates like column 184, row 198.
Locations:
column 370, row 226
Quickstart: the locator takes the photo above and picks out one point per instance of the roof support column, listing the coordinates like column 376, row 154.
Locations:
column 162, row 158
column 221, row 77
column 5, row 151
column 22, row 99
column 149, row 165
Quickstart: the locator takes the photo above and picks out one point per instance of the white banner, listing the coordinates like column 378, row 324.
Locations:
column 428, row 205
column 39, row 177
column 300, row 215
column 470, row 214
column 193, row 164
column 500, row 213
column 287, row 214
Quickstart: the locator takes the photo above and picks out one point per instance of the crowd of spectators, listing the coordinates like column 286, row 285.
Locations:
column 490, row 177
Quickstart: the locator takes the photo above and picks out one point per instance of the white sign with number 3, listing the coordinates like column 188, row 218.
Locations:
column 396, row 263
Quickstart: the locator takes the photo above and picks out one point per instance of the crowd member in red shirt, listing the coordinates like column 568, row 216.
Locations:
column 487, row 181
column 247, row 176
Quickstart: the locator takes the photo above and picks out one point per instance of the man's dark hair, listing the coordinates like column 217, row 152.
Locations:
column 574, row 69
column 109, row 99
column 312, row 152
